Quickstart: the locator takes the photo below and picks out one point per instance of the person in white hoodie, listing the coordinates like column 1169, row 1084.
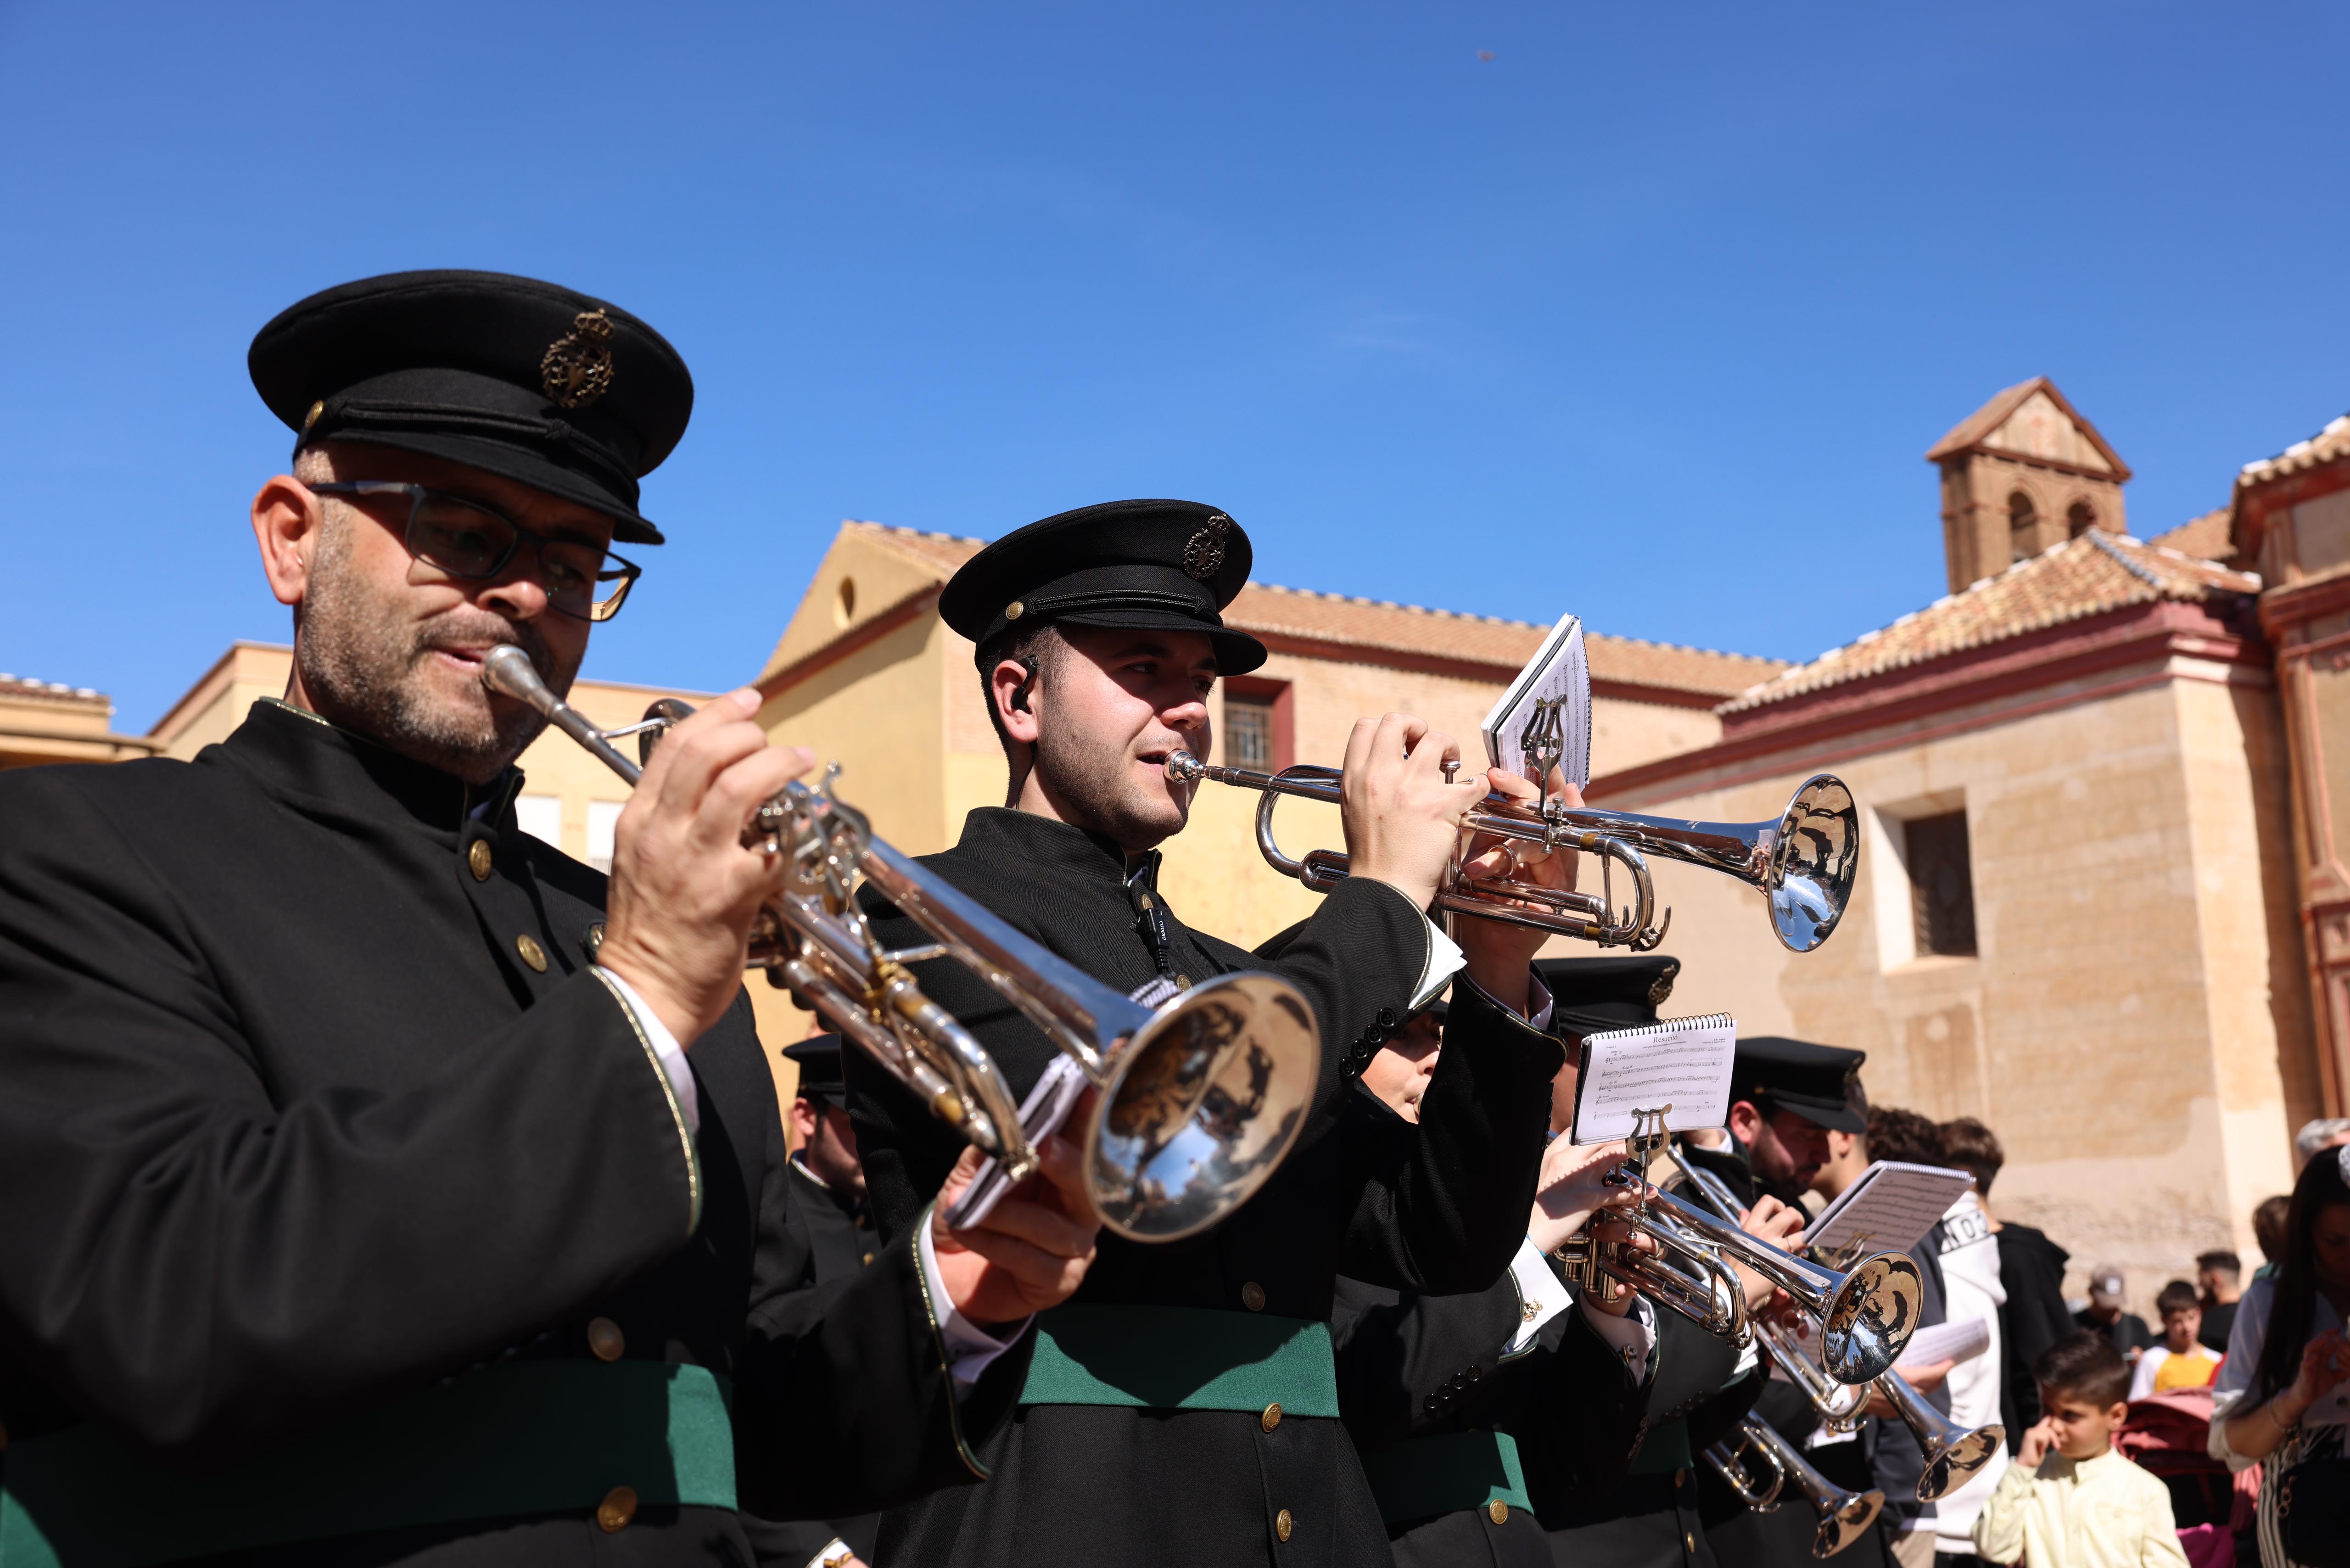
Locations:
column 1972, row 1290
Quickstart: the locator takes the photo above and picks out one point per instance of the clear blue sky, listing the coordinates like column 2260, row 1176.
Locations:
column 1650, row 316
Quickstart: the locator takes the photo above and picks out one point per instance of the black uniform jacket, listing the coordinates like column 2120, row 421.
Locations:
column 303, row 1117
column 1415, row 1365
column 828, row 1241
column 1092, row 1484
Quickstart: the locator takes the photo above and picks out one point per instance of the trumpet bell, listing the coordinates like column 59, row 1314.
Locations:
column 1200, row 1106
column 1846, row 1522
column 1956, row 1464
column 1814, row 860
column 1870, row 1317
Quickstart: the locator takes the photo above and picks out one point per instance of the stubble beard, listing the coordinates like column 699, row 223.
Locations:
column 1096, row 791
column 361, row 662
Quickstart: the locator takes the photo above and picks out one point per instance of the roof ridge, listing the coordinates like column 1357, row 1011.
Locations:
column 1324, row 593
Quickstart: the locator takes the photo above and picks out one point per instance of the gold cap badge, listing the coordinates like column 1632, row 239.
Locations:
column 578, row 369
column 1664, row 986
column 1203, row 553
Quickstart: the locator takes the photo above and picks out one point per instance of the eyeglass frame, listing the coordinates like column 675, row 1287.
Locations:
column 598, row 611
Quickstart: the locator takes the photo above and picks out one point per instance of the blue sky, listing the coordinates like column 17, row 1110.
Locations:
column 1650, row 316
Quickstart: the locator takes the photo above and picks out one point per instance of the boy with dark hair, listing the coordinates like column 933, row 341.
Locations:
column 2219, row 1281
column 2070, row 1500
column 2178, row 1361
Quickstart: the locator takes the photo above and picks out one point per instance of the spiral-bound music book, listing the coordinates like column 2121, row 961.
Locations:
column 1682, row 1063
column 1546, row 710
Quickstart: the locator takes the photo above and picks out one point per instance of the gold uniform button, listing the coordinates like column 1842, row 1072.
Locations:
column 1253, row 1298
column 1282, row 1524
column 618, row 1507
column 532, row 953
column 1183, row 983
column 1498, row 1512
column 1014, row 610
column 869, row 1258
column 1689, row 1541
column 605, row 1339
column 312, row 417
column 477, row 859
column 1272, row 1417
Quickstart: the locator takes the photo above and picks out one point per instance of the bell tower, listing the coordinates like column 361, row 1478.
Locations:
column 2021, row 473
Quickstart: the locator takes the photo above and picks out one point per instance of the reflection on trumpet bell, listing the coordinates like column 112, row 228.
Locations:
column 1845, row 1516
column 1199, row 1102
column 1953, row 1454
column 1804, row 861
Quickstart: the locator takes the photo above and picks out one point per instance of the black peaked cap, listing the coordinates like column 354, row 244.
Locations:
column 517, row 378
column 1614, row 990
column 819, row 1056
column 1131, row 565
column 1815, row 1082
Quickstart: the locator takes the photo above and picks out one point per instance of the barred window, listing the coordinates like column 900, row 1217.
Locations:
column 1248, row 732
column 1941, row 885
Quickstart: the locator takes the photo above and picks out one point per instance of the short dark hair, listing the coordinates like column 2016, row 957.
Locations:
column 2085, row 1367
column 1904, row 1135
column 2226, row 1264
column 1974, row 1148
column 2268, row 1225
column 2176, row 1296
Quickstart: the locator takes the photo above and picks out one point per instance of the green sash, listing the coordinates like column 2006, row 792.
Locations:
column 1420, row 1478
column 522, row 1437
column 1179, row 1359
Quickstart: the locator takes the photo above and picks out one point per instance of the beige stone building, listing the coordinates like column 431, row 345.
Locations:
column 47, row 721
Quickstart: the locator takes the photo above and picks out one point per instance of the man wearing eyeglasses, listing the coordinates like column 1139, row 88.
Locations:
column 377, row 1185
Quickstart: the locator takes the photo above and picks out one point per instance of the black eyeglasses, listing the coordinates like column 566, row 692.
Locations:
column 468, row 540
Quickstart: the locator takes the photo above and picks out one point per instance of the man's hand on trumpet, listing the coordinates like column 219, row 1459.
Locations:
column 1782, row 1225
column 1571, row 1192
column 1500, row 955
column 1401, row 817
column 1033, row 1249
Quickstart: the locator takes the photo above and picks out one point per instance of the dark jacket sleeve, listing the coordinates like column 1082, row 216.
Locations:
column 843, row 1403
column 1581, row 1417
column 203, row 1269
column 1413, row 1364
column 1443, row 1212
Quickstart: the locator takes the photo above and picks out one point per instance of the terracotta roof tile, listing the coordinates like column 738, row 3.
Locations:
column 2327, row 445
column 1384, row 627
column 2206, row 538
column 2085, row 576
column 48, row 690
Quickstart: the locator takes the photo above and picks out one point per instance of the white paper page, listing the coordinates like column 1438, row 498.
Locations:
column 1893, row 1204
column 1684, row 1063
column 1559, row 674
column 1960, row 1341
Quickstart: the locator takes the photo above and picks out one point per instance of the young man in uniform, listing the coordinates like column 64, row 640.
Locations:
column 1098, row 640
column 361, row 1202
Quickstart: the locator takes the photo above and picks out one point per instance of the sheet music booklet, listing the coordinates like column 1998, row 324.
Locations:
column 1547, row 709
column 1893, row 1204
column 1683, row 1062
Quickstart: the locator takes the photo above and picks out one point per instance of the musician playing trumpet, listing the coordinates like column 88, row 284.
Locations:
column 379, row 1185
column 1183, row 1407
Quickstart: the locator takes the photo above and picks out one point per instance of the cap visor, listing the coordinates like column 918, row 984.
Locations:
column 524, row 468
column 1237, row 652
column 1819, row 1113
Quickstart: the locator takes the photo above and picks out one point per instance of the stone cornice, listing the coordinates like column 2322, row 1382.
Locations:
column 1993, row 684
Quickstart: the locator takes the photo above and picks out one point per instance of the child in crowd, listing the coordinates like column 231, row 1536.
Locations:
column 2179, row 1361
column 2069, row 1501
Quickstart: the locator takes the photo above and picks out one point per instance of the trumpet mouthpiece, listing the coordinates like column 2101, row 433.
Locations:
column 507, row 670
column 1183, row 767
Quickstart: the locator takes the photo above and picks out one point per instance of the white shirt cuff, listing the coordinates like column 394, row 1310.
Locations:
column 1445, row 960
column 969, row 1351
column 666, row 1050
column 1633, row 1336
column 1538, row 1007
column 1540, row 1295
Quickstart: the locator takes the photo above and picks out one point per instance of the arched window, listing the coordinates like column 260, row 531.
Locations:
column 2023, row 526
column 2079, row 518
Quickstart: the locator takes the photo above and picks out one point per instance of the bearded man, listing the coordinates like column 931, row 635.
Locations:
column 1182, row 1408
column 378, row 1186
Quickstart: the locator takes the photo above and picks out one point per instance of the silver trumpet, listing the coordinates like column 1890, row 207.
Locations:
column 1867, row 1312
column 1730, row 1463
column 1845, row 1516
column 1953, row 1453
column 1803, row 861
column 1200, row 1099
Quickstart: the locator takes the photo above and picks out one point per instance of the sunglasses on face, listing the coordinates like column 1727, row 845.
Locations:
column 470, row 541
